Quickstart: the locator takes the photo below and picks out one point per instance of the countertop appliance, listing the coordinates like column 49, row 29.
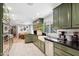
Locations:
column 75, row 39
column 62, row 37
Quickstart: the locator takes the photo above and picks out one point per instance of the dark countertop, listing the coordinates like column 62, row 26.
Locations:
column 68, row 43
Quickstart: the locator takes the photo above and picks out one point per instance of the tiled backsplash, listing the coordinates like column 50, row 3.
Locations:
column 69, row 33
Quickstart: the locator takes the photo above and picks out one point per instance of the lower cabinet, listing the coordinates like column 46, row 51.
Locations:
column 40, row 44
column 56, row 49
column 1, row 29
column 29, row 38
column 49, row 48
column 61, row 50
column 35, row 37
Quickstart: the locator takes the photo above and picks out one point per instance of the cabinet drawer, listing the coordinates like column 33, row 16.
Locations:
column 35, row 38
column 35, row 42
column 67, row 49
column 60, row 52
column 42, row 46
column 55, row 54
column 38, row 41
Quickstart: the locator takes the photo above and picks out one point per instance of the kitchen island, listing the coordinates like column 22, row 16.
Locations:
column 38, row 41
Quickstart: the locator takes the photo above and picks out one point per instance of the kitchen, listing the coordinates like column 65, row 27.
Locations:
column 54, row 31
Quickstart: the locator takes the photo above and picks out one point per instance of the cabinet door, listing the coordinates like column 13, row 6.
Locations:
column 42, row 46
column 29, row 38
column 1, row 29
column 65, row 50
column 38, row 43
column 35, row 38
column 65, row 15
column 59, row 52
column 75, row 15
column 35, row 42
column 55, row 18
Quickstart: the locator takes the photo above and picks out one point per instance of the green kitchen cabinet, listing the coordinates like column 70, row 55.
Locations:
column 41, row 20
column 35, row 43
column 55, row 18
column 42, row 46
column 75, row 15
column 1, row 29
column 65, row 15
column 38, row 43
column 35, row 37
column 62, row 16
column 59, row 52
column 55, row 54
column 38, row 24
column 29, row 38
column 62, row 50
column 35, row 40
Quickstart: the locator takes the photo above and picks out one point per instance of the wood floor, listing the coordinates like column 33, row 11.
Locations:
column 19, row 48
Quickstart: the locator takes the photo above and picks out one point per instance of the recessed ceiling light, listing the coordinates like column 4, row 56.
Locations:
column 30, row 4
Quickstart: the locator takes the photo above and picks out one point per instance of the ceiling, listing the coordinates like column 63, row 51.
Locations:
column 26, row 13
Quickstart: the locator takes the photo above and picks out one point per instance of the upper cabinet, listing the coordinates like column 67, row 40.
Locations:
column 75, row 15
column 1, row 11
column 55, row 18
column 1, row 29
column 62, row 16
column 38, row 24
column 66, row 15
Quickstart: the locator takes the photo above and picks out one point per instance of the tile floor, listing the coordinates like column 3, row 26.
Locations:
column 22, row 49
